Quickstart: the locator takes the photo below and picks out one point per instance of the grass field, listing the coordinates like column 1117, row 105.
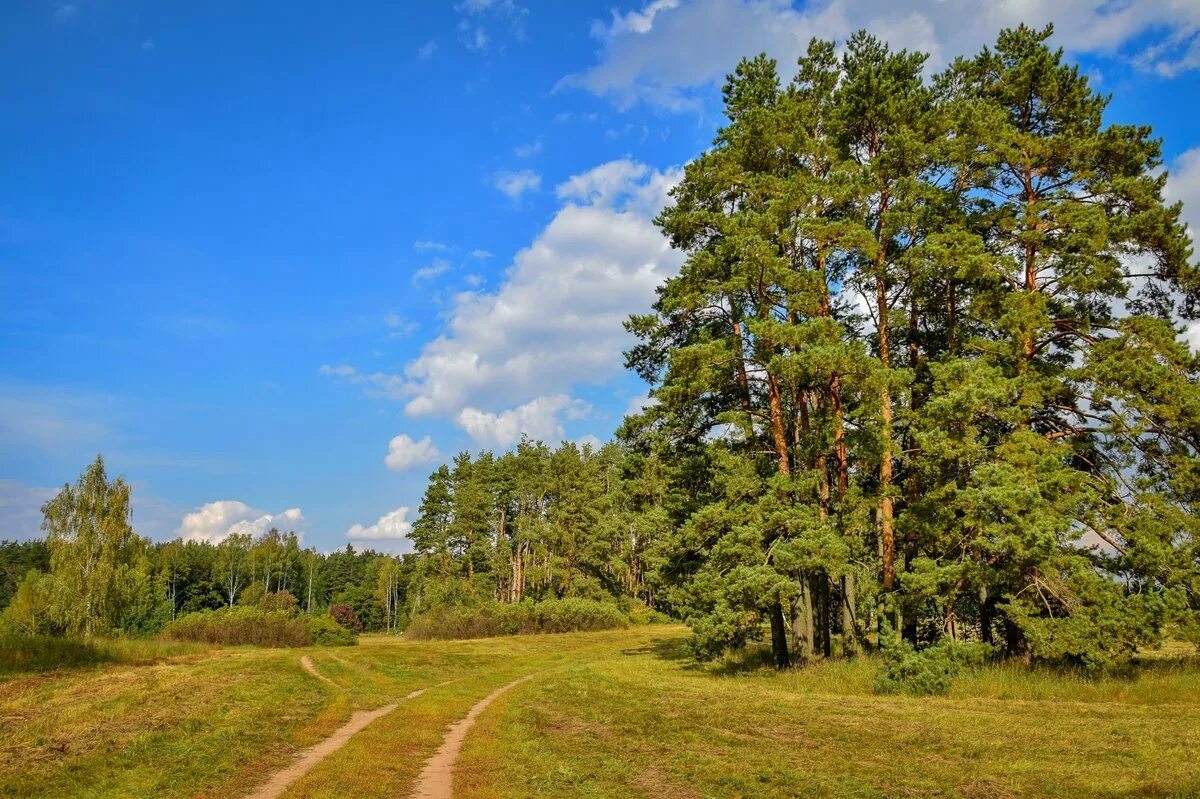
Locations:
column 611, row 714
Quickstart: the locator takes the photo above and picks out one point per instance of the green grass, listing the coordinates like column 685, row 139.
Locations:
column 650, row 723
column 612, row 714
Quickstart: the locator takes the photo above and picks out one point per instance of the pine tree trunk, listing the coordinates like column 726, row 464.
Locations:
column 802, row 623
column 779, row 647
column 885, row 510
column 849, row 616
column 778, row 432
column 987, row 608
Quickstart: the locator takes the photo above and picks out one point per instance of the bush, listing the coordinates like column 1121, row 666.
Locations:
column 345, row 616
column 279, row 602
column 641, row 613
column 926, row 672
column 240, row 625
column 492, row 618
column 327, row 632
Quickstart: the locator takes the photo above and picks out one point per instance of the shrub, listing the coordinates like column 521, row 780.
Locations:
column 641, row 613
column 345, row 616
column 240, row 625
column 327, row 632
column 492, row 618
column 279, row 602
column 926, row 672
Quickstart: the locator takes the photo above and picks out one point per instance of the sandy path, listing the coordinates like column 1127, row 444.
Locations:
column 307, row 663
column 310, row 757
column 436, row 780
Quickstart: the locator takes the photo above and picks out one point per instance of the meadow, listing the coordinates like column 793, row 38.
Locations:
column 606, row 714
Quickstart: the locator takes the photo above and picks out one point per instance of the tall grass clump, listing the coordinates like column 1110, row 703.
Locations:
column 258, row 627
column 493, row 618
column 32, row 654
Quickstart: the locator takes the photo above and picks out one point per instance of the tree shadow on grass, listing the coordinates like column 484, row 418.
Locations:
column 754, row 657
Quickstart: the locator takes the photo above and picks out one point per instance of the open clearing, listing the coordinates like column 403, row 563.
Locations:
column 611, row 714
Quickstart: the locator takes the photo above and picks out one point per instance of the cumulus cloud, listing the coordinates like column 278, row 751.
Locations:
column 404, row 453
column 509, row 360
column 215, row 521
column 391, row 526
column 538, row 418
column 665, row 52
column 515, row 184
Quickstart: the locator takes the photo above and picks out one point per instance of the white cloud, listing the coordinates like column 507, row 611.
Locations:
column 538, row 418
column 426, row 51
column 404, row 453
column 481, row 254
column 426, row 244
column 437, row 267
column 390, row 526
column 557, row 319
column 65, row 12
column 590, row 441
column 514, row 184
column 625, row 184
column 667, row 51
column 214, row 521
column 509, row 359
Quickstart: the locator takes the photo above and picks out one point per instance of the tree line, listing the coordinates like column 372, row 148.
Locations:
column 537, row 523
column 94, row 575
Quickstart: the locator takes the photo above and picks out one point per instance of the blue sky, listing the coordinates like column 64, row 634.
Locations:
column 281, row 259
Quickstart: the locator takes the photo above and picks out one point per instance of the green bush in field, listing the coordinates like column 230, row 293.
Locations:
column 493, row 618
column 325, row 631
column 240, row 625
column 641, row 613
column 279, row 602
column 926, row 672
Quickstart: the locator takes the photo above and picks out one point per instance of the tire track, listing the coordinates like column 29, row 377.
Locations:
column 436, row 780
